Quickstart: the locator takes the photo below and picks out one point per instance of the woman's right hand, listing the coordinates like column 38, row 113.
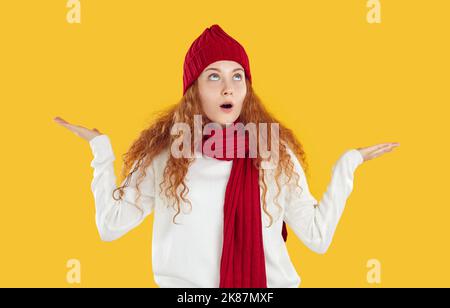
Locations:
column 83, row 132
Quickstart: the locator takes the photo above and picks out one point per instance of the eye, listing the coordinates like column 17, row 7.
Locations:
column 239, row 75
column 209, row 77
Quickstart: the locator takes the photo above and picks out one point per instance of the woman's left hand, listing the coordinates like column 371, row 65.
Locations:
column 377, row 150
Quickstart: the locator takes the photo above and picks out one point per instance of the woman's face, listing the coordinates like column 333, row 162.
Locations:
column 220, row 83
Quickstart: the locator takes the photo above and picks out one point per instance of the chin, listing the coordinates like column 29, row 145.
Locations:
column 227, row 120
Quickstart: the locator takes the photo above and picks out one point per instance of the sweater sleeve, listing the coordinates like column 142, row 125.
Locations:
column 113, row 217
column 314, row 222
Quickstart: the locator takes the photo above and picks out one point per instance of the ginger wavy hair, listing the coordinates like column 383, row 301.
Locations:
column 158, row 138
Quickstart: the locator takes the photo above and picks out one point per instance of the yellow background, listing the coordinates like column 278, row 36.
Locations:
column 336, row 80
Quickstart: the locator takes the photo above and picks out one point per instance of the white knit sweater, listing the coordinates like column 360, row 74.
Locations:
column 187, row 254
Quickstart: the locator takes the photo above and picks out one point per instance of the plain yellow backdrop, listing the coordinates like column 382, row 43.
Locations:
column 319, row 66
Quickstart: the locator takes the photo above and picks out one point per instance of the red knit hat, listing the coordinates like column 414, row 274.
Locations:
column 211, row 46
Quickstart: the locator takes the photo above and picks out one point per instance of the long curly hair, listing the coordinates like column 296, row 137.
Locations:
column 159, row 137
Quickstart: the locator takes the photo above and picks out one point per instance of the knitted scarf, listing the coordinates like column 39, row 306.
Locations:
column 242, row 262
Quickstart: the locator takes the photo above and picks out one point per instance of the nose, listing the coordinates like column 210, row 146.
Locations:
column 228, row 90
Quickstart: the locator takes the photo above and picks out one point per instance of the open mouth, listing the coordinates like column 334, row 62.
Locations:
column 226, row 106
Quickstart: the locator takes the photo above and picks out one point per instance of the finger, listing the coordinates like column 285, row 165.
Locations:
column 381, row 151
column 63, row 122
column 76, row 129
column 70, row 126
column 381, row 146
column 377, row 147
column 60, row 120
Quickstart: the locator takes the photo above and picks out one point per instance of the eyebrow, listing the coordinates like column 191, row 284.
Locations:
column 216, row 69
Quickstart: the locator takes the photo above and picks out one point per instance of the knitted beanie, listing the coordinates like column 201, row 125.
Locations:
column 211, row 46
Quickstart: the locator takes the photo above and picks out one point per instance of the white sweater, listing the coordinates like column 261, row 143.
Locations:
column 188, row 254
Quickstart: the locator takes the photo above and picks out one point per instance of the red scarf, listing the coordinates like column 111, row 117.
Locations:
column 242, row 264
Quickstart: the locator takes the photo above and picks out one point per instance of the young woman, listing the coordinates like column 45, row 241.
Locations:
column 219, row 218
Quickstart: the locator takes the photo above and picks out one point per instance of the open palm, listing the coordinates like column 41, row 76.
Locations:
column 377, row 150
column 81, row 131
